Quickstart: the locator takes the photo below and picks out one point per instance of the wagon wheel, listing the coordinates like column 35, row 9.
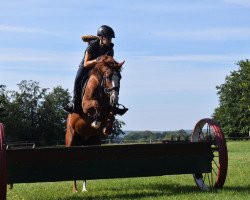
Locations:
column 3, row 184
column 208, row 130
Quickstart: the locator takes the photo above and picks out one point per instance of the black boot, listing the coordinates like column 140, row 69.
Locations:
column 74, row 106
column 69, row 107
column 120, row 111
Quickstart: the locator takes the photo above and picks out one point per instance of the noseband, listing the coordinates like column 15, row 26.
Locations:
column 111, row 89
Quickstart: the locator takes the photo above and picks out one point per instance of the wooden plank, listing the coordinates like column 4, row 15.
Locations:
column 99, row 162
column 48, row 155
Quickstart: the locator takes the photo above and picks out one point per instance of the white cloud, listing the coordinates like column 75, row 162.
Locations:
column 245, row 3
column 217, row 34
column 23, row 29
column 225, row 58
column 26, row 59
column 178, row 73
column 171, row 7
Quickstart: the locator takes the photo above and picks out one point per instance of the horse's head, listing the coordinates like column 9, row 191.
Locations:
column 111, row 77
column 109, row 62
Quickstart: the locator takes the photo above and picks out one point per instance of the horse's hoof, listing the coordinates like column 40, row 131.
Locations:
column 106, row 131
column 96, row 125
column 75, row 191
column 84, row 190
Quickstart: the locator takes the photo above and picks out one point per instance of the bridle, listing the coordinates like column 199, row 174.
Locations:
column 107, row 91
column 114, row 87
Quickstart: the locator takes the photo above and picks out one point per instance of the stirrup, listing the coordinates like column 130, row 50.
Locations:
column 69, row 107
column 120, row 111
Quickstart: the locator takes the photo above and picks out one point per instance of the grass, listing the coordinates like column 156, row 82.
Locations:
column 237, row 185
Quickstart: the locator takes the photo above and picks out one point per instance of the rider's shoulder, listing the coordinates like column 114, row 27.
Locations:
column 93, row 45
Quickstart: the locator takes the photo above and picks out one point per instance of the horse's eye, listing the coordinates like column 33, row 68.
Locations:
column 109, row 76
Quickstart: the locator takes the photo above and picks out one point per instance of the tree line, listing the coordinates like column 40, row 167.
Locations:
column 154, row 136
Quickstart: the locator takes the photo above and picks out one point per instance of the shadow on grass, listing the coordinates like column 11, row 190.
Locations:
column 245, row 189
column 137, row 192
column 148, row 190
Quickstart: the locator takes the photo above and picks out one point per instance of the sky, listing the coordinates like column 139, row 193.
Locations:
column 176, row 52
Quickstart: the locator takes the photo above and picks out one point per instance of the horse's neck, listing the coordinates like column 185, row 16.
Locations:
column 92, row 87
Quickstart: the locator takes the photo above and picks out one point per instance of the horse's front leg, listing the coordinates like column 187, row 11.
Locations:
column 91, row 107
column 109, row 124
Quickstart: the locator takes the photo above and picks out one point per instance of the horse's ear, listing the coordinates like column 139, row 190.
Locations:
column 120, row 64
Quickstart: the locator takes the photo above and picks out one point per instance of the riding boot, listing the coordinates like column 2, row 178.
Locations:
column 120, row 111
column 75, row 105
column 69, row 107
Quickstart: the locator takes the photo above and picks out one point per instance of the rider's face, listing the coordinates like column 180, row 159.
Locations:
column 106, row 41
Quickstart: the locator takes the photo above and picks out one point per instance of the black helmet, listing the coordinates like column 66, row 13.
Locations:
column 106, row 31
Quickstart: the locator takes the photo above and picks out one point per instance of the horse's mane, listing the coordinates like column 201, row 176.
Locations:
column 99, row 69
column 95, row 71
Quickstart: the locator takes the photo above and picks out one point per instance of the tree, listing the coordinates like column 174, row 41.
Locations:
column 52, row 117
column 117, row 129
column 36, row 114
column 3, row 101
column 233, row 113
column 22, row 122
column 141, row 136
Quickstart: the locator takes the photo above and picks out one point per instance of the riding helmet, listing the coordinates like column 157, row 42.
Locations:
column 106, row 31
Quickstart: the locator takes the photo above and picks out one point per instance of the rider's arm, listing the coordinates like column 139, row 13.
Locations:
column 87, row 60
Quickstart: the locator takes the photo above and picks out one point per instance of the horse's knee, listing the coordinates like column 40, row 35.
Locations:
column 88, row 105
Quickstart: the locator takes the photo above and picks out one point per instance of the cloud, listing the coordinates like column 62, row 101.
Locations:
column 22, row 29
column 170, row 7
column 28, row 58
column 177, row 73
column 245, row 3
column 222, row 58
column 217, row 34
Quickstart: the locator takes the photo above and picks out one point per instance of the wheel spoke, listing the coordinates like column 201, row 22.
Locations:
column 209, row 183
column 212, row 182
column 214, row 171
column 216, row 164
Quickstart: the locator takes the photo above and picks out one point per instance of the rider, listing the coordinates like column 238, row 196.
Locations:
column 95, row 49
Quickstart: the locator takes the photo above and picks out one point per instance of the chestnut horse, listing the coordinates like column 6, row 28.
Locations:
column 99, row 99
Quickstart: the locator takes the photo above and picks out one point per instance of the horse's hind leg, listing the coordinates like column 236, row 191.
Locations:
column 84, row 186
column 69, row 136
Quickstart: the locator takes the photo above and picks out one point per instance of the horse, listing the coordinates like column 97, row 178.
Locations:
column 100, row 96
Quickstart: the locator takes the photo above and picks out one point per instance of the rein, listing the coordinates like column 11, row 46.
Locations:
column 106, row 90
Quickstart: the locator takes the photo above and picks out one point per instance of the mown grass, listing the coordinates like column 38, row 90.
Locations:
column 237, row 185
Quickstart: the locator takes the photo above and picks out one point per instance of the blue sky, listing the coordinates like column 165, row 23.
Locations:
column 176, row 52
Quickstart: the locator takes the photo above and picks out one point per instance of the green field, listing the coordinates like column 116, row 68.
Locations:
column 237, row 185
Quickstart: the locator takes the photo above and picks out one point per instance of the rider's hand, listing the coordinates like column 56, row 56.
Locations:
column 97, row 59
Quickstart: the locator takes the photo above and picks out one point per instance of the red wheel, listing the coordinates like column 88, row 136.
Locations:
column 3, row 184
column 208, row 130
